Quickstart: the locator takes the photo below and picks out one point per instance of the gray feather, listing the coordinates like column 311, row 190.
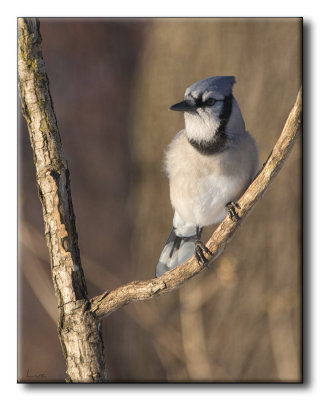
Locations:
column 176, row 251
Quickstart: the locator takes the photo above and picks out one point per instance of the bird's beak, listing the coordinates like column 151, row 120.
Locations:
column 183, row 106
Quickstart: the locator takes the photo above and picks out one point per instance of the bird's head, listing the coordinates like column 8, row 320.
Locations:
column 207, row 106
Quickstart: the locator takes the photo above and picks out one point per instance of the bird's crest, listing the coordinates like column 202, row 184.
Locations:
column 220, row 85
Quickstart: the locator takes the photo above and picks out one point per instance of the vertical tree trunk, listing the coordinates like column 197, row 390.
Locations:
column 78, row 328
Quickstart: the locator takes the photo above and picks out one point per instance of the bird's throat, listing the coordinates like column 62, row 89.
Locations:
column 216, row 145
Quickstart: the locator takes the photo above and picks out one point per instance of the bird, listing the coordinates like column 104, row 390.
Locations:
column 209, row 163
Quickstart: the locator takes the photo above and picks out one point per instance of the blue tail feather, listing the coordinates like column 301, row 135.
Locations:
column 176, row 251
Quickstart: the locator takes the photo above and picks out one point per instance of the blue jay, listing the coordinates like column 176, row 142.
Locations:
column 209, row 163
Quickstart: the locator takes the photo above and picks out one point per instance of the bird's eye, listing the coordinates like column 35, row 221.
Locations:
column 210, row 102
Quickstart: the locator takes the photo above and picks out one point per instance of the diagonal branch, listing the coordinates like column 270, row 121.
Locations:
column 109, row 302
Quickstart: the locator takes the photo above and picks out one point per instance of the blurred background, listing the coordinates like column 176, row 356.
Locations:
column 112, row 82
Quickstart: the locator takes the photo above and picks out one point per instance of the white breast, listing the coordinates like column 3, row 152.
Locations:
column 201, row 186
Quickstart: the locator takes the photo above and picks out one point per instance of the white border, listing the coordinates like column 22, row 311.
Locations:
column 8, row 99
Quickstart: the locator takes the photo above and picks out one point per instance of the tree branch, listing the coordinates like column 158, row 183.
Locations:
column 109, row 302
column 78, row 328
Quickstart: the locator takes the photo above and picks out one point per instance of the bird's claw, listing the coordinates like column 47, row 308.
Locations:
column 231, row 208
column 200, row 249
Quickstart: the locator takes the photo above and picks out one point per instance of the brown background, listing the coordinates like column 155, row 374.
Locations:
column 112, row 82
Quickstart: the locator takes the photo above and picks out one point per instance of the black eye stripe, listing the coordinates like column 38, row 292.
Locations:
column 227, row 108
column 198, row 101
column 209, row 102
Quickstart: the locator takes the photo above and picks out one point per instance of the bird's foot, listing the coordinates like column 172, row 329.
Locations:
column 231, row 208
column 200, row 249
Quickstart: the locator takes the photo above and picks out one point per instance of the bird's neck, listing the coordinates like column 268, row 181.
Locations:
column 216, row 145
column 212, row 136
column 208, row 135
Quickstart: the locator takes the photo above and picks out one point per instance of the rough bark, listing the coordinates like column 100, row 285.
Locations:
column 78, row 328
column 108, row 302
